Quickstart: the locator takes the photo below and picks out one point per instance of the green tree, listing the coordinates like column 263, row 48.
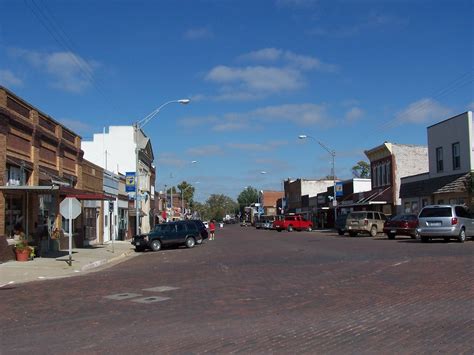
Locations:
column 220, row 205
column 187, row 191
column 247, row 197
column 203, row 210
column 361, row 170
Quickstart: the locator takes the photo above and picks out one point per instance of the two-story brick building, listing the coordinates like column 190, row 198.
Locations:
column 39, row 159
column 451, row 161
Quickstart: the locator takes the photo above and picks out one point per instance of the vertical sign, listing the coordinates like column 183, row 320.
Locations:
column 130, row 181
column 338, row 189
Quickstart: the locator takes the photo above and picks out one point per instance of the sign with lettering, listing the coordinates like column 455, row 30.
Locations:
column 130, row 181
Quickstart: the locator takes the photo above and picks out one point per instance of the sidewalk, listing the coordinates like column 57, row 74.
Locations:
column 56, row 266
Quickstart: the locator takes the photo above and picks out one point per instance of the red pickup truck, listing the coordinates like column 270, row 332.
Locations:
column 291, row 223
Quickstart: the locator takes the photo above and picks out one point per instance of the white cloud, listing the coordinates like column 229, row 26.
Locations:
column 198, row 33
column 296, row 3
column 298, row 61
column 422, row 111
column 354, row 114
column 77, row 126
column 302, row 114
column 208, row 150
column 258, row 147
column 7, row 78
column 69, row 72
column 170, row 159
column 258, row 78
column 371, row 21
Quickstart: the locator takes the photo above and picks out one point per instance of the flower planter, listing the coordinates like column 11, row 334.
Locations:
column 22, row 255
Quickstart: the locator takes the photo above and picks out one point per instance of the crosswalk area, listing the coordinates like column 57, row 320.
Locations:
column 142, row 297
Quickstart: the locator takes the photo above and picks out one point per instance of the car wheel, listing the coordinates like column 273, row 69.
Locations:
column 199, row 241
column 353, row 234
column 278, row 230
column 340, row 232
column 391, row 236
column 290, row 229
column 373, row 231
column 190, row 242
column 462, row 236
column 424, row 239
column 415, row 236
column 155, row 245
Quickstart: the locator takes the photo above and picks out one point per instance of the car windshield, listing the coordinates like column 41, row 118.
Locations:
column 436, row 212
column 404, row 217
column 358, row 215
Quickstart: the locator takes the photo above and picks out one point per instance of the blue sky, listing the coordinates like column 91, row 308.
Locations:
column 351, row 74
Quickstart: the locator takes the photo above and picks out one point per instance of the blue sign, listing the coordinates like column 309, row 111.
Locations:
column 130, row 181
column 339, row 189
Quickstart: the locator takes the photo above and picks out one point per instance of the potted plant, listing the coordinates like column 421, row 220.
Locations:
column 23, row 251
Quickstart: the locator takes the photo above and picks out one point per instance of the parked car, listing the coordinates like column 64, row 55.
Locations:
column 291, row 223
column 202, row 230
column 341, row 223
column 268, row 224
column 365, row 222
column 445, row 221
column 172, row 233
column 403, row 224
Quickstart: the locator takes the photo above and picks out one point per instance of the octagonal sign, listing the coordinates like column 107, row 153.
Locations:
column 70, row 208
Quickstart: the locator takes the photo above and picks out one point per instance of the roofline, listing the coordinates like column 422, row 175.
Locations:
column 450, row 118
column 38, row 110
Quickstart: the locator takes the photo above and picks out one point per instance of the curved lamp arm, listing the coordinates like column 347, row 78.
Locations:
column 149, row 117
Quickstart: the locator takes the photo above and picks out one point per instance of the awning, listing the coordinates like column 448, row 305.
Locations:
column 26, row 188
column 84, row 195
column 378, row 197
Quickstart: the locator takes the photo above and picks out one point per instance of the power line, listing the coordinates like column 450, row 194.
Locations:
column 456, row 84
column 48, row 21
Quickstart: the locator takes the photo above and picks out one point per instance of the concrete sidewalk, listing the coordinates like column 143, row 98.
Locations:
column 55, row 265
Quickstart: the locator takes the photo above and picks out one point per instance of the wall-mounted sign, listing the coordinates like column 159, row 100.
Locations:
column 130, row 181
column 338, row 189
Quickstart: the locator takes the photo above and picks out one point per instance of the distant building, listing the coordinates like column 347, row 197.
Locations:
column 295, row 190
column 389, row 162
column 115, row 151
column 269, row 201
column 451, row 163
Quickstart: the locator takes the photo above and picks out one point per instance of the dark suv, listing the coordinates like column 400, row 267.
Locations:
column 187, row 232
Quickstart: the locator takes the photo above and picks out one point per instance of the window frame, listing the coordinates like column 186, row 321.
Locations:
column 456, row 159
column 439, row 160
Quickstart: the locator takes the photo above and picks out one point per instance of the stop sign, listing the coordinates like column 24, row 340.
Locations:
column 70, row 208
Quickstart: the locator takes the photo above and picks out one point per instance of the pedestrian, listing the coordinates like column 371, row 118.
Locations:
column 212, row 230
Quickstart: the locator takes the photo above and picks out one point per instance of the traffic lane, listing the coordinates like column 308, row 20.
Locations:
column 236, row 284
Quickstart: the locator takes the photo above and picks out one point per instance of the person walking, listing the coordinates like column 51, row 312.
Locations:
column 212, row 230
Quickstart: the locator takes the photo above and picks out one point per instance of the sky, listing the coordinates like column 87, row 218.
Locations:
column 349, row 74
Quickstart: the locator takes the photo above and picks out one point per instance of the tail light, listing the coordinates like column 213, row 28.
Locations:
column 454, row 221
column 405, row 224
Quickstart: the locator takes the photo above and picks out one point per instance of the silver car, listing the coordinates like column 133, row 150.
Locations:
column 445, row 221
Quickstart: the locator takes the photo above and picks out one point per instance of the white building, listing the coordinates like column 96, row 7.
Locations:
column 115, row 151
column 451, row 162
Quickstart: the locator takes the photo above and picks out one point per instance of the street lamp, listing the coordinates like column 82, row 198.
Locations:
column 138, row 126
column 333, row 155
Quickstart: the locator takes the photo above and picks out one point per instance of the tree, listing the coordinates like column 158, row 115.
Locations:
column 247, row 197
column 187, row 190
column 361, row 170
column 220, row 205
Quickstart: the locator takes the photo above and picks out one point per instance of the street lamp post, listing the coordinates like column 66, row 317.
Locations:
column 333, row 156
column 138, row 126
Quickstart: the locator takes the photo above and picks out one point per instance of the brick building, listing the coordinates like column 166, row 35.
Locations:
column 41, row 163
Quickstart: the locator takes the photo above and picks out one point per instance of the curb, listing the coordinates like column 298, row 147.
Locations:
column 98, row 263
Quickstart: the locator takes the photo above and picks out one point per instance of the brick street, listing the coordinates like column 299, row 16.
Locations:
column 256, row 291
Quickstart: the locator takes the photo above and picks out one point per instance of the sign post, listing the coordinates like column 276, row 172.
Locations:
column 70, row 208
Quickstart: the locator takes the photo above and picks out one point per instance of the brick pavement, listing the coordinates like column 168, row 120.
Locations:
column 255, row 291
